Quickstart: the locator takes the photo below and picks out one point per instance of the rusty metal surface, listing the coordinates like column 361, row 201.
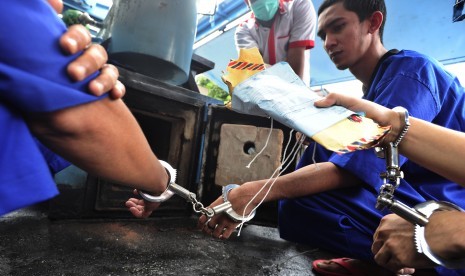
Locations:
column 31, row 244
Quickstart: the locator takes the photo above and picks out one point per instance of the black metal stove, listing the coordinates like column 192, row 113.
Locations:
column 190, row 131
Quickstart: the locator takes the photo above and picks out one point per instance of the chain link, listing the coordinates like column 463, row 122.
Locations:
column 391, row 177
column 200, row 209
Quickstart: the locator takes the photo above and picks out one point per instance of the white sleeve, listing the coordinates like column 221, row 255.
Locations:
column 243, row 36
column 304, row 25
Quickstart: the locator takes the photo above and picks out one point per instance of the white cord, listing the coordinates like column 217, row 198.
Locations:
column 287, row 146
column 293, row 153
column 313, row 156
column 266, row 144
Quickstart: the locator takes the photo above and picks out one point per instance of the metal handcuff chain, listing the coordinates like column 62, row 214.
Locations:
column 418, row 215
column 173, row 188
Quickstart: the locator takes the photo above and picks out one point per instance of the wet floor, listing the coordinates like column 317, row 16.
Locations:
column 32, row 244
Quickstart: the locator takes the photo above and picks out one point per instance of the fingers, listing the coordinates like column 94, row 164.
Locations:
column 327, row 101
column 382, row 115
column 226, row 232
column 118, row 90
column 207, row 225
column 201, row 222
column 381, row 257
column 76, row 38
column 221, row 229
column 136, row 207
column 378, row 239
column 376, row 246
column 385, row 258
column 139, row 208
column 338, row 99
column 91, row 60
column 94, row 58
column 106, row 81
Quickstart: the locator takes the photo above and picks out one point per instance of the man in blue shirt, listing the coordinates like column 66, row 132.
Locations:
column 38, row 99
column 331, row 204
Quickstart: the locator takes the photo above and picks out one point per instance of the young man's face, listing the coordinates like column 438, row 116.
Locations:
column 344, row 37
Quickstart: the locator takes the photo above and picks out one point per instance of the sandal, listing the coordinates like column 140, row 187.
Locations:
column 343, row 262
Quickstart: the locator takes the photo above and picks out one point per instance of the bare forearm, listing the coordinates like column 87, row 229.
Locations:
column 312, row 179
column 296, row 59
column 450, row 224
column 433, row 147
column 102, row 138
column 429, row 145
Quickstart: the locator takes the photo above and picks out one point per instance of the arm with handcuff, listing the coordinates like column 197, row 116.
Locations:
column 439, row 233
column 173, row 188
column 420, row 214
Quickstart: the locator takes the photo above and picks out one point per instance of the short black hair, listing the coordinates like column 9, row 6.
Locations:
column 363, row 9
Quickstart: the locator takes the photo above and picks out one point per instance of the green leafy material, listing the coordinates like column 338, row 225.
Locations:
column 214, row 90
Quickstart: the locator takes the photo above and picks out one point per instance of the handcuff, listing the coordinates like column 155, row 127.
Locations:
column 173, row 188
column 168, row 193
column 420, row 213
column 428, row 208
column 229, row 211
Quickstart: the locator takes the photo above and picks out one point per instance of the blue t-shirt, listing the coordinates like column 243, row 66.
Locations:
column 33, row 79
column 428, row 92
column 344, row 220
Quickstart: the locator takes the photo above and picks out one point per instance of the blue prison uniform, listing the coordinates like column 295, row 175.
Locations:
column 33, row 79
column 344, row 220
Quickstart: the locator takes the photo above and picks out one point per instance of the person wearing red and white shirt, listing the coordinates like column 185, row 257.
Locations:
column 282, row 30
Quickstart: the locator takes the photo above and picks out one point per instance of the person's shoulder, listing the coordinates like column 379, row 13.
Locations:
column 291, row 2
column 299, row 8
column 411, row 54
column 415, row 65
column 295, row 4
column 411, row 58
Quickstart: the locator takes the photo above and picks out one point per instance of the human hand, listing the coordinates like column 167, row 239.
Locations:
column 321, row 92
column 77, row 38
column 221, row 225
column 378, row 113
column 141, row 208
column 394, row 248
column 94, row 57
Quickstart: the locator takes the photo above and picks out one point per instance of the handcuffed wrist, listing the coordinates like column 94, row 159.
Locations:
column 427, row 209
column 395, row 135
column 405, row 124
column 167, row 193
column 230, row 211
column 226, row 190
